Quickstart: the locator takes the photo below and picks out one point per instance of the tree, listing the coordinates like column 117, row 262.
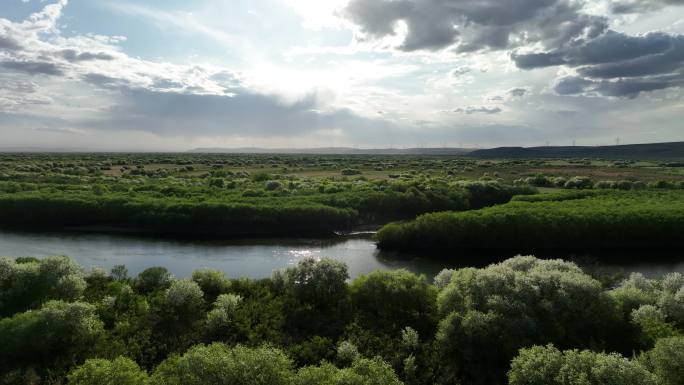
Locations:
column 363, row 371
column 153, row 279
column 319, row 283
column 120, row 371
column 212, row 282
column 549, row 366
column 185, row 298
column 57, row 335
column 119, row 273
column 388, row 301
column 28, row 284
column 666, row 360
column 520, row 302
column 219, row 364
column 318, row 297
column 222, row 316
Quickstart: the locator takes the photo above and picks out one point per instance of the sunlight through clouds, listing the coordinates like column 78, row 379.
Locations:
column 319, row 14
column 264, row 70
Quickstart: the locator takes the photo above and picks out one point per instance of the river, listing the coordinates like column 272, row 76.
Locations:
column 258, row 258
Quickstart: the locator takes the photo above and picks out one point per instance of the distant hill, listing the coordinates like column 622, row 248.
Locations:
column 336, row 151
column 673, row 150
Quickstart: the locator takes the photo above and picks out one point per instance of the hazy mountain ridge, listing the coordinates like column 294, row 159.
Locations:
column 336, row 151
column 672, row 150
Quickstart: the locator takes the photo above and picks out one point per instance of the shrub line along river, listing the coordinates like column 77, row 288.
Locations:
column 258, row 258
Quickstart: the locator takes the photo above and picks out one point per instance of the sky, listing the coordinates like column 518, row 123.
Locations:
column 172, row 75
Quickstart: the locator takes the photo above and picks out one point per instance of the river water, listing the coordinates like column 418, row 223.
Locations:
column 258, row 258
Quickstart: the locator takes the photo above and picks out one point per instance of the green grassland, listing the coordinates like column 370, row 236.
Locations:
column 268, row 195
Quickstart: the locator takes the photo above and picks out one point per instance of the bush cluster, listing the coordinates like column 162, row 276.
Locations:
column 522, row 321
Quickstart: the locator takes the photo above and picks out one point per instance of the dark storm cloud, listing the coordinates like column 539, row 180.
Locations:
column 638, row 6
column 32, row 67
column 615, row 64
column 629, row 88
column 473, row 25
column 610, row 48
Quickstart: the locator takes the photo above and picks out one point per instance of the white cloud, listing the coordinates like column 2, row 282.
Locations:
column 319, row 14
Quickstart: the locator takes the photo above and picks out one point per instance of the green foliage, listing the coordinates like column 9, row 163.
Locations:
column 666, row 361
column 220, row 364
column 27, row 284
column 212, row 282
column 549, row 366
column 362, row 372
column 651, row 322
column 316, row 282
column 517, row 303
column 226, row 195
column 318, row 290
column 120, row 371
column 153, row 279
column 655, row 308
column 347, row 353
column 468, row 328
column 119, row 273
column 57, row 335
column 605, row 220
column 223, row 314
column 185, row 298
column 388, row 301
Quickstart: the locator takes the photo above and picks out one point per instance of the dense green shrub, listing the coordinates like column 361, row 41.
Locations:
column 317, row 296
column 153, row 279
column 220, row 364
column 29, row 283
column 666, row 360
column 517, row 303
column 388, row 301
column 622, row 219
column 54, row 337
column 361, row 372
column 308, row 325
column 212, row 282
column 549, row 366
column 120, row 371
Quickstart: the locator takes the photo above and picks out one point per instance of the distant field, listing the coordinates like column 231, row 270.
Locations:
column 268, row 195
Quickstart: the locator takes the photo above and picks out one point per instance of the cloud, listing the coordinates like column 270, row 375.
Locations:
column 615, row 64
column 459, row 71
column 32, row 67
column 73, row 55
column 517, row 92
column 470, row 110
column 15, row 93
column 246, row 113
column 640, row 6
column 474, row 25
column 611, row 47
column 161, row 98
column 630, row 88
